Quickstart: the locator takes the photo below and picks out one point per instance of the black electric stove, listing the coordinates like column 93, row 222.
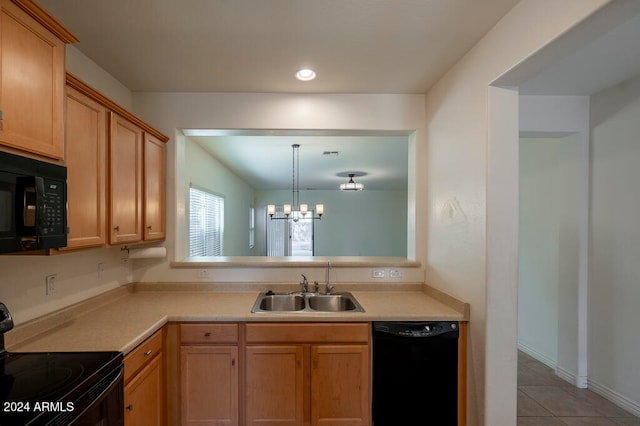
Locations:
column 59, row 388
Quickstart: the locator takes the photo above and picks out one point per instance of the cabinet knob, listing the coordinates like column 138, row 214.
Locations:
column 148, row 352
column 116, row 228
column 207, row 334
column 130, row 407
column 149, row 227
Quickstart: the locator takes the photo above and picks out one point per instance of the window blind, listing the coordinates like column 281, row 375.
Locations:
column 206, row 223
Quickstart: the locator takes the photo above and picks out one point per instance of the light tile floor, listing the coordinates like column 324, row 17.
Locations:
column 544, row 399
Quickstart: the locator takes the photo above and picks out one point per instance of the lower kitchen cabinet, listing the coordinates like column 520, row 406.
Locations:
column 340, row 385
column 144, row 383
column 274, row 385
column 313, row 373
column 209, row 374
column 270, row 373
column 143, row 396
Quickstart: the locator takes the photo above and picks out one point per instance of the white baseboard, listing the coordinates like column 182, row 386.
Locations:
column 549, row 362
column 565, row 375
column 613, row 396
column 571, row 377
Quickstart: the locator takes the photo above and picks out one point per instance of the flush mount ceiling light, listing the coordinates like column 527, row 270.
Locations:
column 296, row 211
column 306, row 74
column 351, row 185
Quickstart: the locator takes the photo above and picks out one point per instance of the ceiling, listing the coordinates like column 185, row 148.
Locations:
column 265, row 161
column 355, row 46
column 608, row 59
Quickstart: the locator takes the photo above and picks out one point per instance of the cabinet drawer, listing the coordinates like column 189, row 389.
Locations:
column 307, row 332
column 142, row 354
column 208, row 333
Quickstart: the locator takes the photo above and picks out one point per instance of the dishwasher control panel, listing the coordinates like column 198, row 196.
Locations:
column 416, row 329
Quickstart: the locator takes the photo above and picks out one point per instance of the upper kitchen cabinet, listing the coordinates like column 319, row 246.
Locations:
column 86, row 147
column 32, row 79
column 125, row 180
column 137, row 178
column 116, row 166
column 155, row 155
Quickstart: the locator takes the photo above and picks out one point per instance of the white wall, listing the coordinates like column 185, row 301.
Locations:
column 88, row 71
column 614, row 290
column 461, row 259
column 170, row 112
column 562, row 115
column 205, row 172
column 363, row 223
column 22, row 286
column 548, row 253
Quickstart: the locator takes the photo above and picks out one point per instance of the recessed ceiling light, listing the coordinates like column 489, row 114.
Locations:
column 306, row 74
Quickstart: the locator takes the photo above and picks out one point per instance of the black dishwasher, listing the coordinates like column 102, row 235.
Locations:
column 415, row 373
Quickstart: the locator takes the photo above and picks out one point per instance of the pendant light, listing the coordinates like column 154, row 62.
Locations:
column 296, row 211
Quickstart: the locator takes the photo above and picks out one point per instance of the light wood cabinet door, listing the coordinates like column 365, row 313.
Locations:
column 86, row 139
column 340, row 390
column 274, row 385
column 209, row 388
column 32, row 79
column 125, row 181
column 143, row 396
column 155, row 154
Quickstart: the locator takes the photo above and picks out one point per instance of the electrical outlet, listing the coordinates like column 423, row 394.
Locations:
column 50, row 285
column 395, row 273
column 377, row 273
column 101, row 267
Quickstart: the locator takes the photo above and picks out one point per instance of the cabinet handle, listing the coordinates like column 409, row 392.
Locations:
column 315, row 362
column 207, row 334
column 148, row 352
column 149, row 227
column 130, row 407
column 233, row 362
column 116, row 228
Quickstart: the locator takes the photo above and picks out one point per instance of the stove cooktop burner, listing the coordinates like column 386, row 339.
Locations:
column 50, row 379
column 50, row 376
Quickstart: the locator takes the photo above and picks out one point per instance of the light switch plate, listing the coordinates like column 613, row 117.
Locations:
column 377, row 273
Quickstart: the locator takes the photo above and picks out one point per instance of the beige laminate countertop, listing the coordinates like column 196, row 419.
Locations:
column 125, row 321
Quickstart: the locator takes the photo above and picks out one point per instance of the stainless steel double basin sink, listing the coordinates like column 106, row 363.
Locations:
column 305, row 303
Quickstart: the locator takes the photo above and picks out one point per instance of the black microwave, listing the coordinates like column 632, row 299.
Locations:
column 33, row 204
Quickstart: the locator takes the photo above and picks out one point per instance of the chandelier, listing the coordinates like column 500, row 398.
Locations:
column 295, row 210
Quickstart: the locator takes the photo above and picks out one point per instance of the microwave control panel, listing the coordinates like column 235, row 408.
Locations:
column 54, row 211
